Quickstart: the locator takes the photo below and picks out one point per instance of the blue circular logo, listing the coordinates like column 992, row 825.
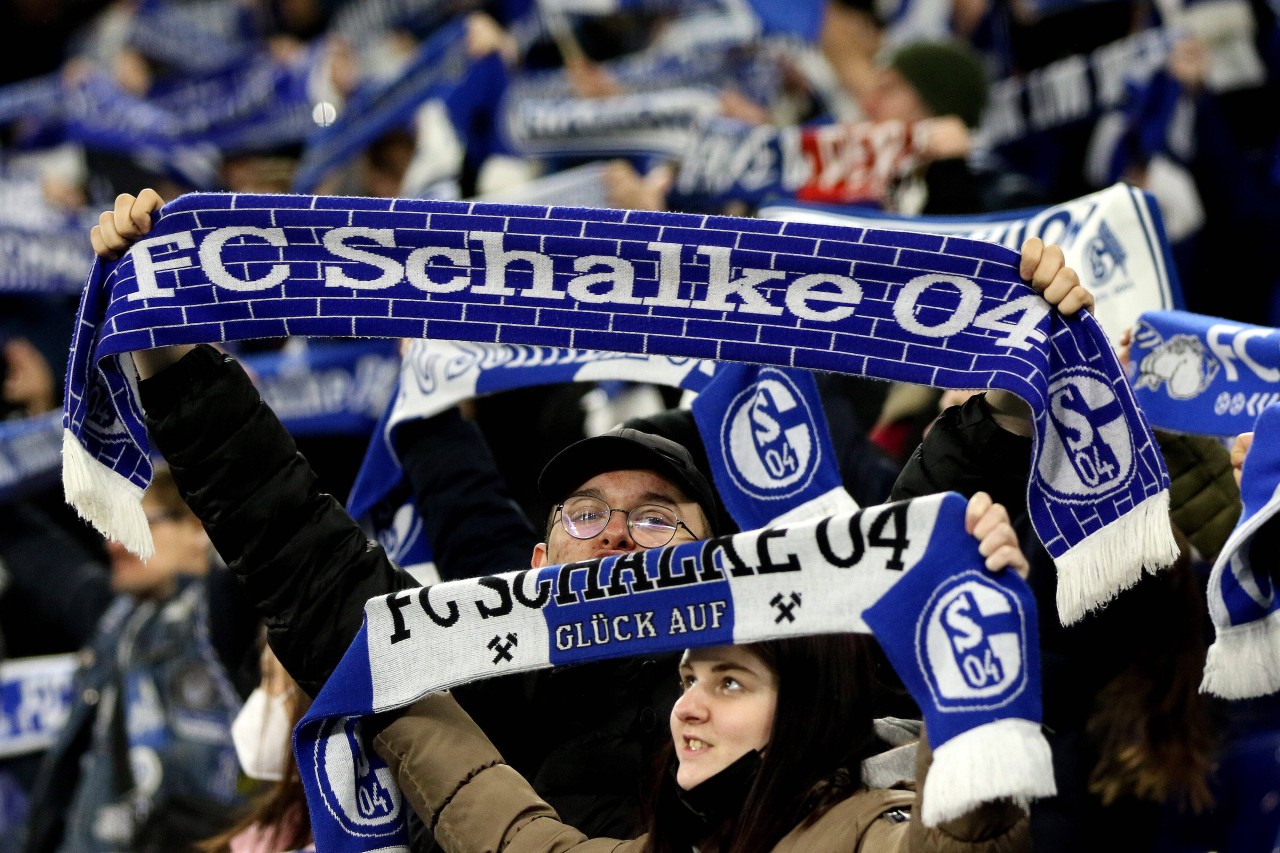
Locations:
column 769, row 439
column 355, row 784
column 1088, row 449
column 969, row 644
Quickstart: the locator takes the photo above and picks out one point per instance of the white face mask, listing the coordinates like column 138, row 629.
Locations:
column 261, row 736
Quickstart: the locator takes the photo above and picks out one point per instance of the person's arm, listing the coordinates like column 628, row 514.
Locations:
column 466, row 795
column 986, row 443
column 305, row 564
column 65, row 586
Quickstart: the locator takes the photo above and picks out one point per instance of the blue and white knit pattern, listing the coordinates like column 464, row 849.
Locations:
column 933, row 310
column 1205, row 375
column 1244, row 658
column 1114, row 238
column 769, row 446
column 964, row 640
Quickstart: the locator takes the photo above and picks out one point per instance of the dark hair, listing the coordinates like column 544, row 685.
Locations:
column 822, row 730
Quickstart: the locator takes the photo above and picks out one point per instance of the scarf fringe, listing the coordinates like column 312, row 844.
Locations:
column 1244, row 660
column 103, row 498
column 1113, row 559
column 1005, row 759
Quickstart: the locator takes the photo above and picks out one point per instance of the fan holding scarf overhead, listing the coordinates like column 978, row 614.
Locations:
column 169, row 397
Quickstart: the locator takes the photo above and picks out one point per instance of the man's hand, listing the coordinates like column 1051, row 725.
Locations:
column 1045, row 267
column 116, row 231
column 988, row 522
column 128, row 222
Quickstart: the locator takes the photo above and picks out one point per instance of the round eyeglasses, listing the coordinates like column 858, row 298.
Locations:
column 650, row 526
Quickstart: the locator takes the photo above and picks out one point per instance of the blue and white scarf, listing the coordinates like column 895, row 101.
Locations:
column 30, row 455
column 843, row 163
column 667, row 94
column 1244, row 658
column 35, row 701
column 1114, row 238
column 1071, row 89
column 1085, row 85
column 940, row 311
column 1204, row 375
column 327, row 388
column 963, row 639
column 769, row 446
column 42, row 248
column 440, row 70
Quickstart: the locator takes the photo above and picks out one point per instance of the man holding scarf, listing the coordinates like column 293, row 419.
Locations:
column 310, row 568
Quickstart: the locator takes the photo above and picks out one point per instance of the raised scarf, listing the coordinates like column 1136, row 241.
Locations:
column 935, row 310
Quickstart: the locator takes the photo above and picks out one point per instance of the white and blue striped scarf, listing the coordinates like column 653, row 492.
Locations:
column 963, row 640
column 941, row 311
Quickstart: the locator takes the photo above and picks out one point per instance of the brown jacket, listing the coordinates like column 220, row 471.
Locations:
column 473, row 802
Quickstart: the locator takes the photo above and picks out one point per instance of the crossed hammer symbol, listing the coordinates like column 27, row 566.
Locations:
column 503, row 649
column 785, row 607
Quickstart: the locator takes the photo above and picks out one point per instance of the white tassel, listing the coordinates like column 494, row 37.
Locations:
column 1244, row 660
column 103, row 498
column 1113, row 559
column 1005, row 759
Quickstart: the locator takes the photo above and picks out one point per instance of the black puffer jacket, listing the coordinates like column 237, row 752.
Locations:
column 309, row 569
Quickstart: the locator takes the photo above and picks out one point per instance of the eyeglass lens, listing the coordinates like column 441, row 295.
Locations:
column 651, row 525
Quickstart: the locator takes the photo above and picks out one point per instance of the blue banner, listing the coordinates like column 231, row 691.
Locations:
column 1207, row 375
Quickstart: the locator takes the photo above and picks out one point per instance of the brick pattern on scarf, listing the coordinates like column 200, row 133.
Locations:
column 934, row 310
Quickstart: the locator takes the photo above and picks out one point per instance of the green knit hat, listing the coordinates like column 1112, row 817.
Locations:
column 948, row 75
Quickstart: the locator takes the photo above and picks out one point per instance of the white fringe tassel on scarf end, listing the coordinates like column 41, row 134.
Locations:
column 1114, row 558
column 103, row 498
column 1244, row 660
column 1005, row 759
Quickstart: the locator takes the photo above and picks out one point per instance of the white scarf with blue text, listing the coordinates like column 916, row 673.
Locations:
column 964, row 641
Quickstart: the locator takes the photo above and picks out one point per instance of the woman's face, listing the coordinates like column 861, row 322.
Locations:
column 726, row 711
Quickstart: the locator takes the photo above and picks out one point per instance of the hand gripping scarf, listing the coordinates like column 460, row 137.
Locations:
column 934, row 310
column 963, row 640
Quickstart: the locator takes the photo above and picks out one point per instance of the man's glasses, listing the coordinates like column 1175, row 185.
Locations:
column 651, row 525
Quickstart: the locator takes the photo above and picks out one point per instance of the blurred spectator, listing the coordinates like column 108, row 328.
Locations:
column 145, row 761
